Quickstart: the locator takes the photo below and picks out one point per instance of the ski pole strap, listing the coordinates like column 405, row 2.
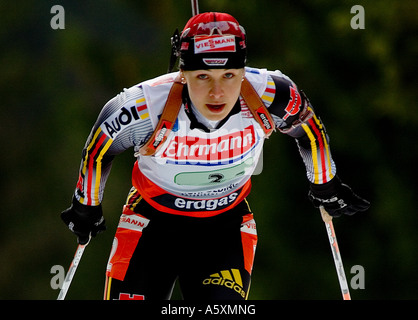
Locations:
column 257, row 107
column 167, row 120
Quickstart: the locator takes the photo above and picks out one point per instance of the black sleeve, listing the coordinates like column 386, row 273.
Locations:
column 289, row 103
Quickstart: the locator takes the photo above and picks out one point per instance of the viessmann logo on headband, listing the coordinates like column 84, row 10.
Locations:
column 206, row 44
column 215, row 62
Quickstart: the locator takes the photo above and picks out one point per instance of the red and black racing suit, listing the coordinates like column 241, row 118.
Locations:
column 205, row 241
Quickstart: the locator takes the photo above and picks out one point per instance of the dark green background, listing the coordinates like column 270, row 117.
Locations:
column 363, row 83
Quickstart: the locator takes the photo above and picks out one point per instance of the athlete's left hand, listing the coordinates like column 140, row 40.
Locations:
column 337, row 198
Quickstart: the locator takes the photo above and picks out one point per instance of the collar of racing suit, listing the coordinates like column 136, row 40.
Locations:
column 195, row 123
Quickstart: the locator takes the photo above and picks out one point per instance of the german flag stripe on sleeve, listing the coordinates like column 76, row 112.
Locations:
column 322, row 162
column 91, row 171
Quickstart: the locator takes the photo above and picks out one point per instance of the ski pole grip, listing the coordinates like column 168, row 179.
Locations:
column 325, row 215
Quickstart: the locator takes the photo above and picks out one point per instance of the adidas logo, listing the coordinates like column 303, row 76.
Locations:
column 228, row 278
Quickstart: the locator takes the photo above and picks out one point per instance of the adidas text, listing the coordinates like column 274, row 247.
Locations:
column 225, row 279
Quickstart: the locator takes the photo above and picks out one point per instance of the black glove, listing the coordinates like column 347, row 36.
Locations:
column 84, row 221
column 337, row 198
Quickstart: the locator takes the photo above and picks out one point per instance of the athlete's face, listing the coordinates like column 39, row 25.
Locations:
column 214, row 92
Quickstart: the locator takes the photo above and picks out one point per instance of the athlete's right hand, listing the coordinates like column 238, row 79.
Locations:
column 84, row 221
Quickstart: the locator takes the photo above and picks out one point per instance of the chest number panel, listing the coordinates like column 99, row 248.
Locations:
column 207, row 178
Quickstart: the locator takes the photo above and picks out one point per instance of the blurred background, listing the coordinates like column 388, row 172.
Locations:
column 362, row 82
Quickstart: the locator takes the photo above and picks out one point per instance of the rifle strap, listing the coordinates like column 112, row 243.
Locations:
column 167, row 120
column 172, row 108
column 257, row 107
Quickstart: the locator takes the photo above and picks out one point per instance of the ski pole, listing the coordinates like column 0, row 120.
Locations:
column 335, row 253
column 71, row 271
